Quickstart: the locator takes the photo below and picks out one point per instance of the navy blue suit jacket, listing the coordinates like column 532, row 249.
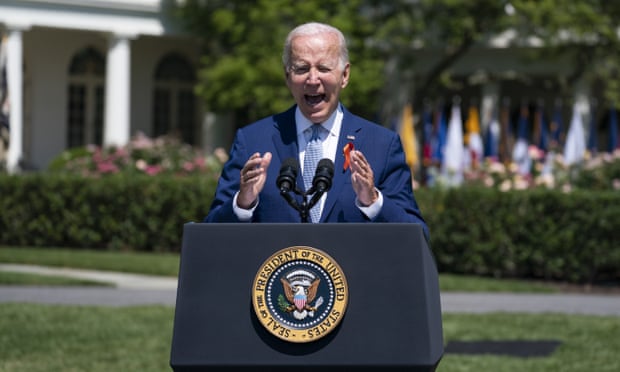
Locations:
column 277, row 134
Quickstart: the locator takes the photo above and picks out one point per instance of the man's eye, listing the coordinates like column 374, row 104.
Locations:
column 300, row 70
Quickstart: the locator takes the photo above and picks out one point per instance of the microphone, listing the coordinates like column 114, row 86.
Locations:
column 288, row 175
column 323, row 176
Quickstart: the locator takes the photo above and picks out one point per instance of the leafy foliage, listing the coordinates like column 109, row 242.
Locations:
column 583, row 32
column 242, row 43
column 123, row 211
column 142, row 155
column 538, row 233
column 242, row 48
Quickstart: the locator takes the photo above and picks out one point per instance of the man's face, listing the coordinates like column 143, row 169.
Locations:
column 316, row 78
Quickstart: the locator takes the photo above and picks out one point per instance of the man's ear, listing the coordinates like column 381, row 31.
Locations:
column 346, row 73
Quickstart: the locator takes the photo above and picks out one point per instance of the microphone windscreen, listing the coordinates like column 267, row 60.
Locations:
column 289, row 164
column 323, row 177
column 288, row 175
column 326, row 165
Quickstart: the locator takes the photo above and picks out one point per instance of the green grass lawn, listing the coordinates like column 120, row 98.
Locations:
column 167, row 264
column 12, row 278
column 83, row 338
column 589, row 343
column 90, row 338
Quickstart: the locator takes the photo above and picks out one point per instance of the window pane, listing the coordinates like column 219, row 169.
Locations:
column 185, row 115
column 174, row 110
column 76, row 115
column 88, row 62
column 161, row 112
column 174, row 67
column 98, row 118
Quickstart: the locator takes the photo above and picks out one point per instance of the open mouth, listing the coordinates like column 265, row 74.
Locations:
column 314, row 99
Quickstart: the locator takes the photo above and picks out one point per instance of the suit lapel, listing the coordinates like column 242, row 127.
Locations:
column 285, row 135
column 285, row 139
column 350, row 131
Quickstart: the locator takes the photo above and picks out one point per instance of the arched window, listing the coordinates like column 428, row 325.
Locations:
column 86, row 98
column 174, row 102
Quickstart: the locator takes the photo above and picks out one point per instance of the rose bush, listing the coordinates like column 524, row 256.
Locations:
column 164, row 155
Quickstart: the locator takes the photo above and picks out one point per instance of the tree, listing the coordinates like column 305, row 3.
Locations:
column 242, row 43
column 585, row 33
column 449, row 27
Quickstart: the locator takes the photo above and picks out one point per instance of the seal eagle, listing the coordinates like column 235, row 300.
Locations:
column 300, row 295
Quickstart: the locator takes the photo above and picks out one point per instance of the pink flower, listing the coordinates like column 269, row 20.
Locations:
column 536, row 153
column 141, row 141
column 107, row 167
column 152, row 170
column 188, row 166
column 199, row 161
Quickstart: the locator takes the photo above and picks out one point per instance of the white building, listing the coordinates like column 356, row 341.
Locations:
column 95, row 71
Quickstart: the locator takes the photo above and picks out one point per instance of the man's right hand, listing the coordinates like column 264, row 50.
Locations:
column 252, row 179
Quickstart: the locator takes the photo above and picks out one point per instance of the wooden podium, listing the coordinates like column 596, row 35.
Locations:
column 392, row 319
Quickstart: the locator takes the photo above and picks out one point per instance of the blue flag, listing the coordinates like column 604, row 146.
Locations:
column 543, row 142
column 613, row 130
column 520, row 152
column 593, row 134
column 555, row 128
column 491, row 145
column 440, row 138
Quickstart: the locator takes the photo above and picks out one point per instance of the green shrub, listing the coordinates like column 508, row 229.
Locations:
column 120, row 212
column 529, row 234
column 138, row 197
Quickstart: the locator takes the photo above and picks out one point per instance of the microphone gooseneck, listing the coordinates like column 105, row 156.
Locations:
column 321, row 183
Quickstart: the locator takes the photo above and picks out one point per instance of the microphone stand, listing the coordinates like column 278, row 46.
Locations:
column 306, row 205
column 320, row 184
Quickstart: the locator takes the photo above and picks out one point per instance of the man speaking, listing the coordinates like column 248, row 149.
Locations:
column 371, row 180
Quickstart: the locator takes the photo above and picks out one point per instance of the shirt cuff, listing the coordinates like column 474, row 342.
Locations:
column 243, row 215
column 372, row 210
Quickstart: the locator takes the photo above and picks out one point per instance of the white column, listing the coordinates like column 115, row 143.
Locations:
column 15, row 77
column 117, row 92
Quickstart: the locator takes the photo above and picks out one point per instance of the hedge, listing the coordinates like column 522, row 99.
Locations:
column 528, row 234
column 114, row 212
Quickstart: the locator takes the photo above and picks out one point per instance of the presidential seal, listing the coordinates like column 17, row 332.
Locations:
column 300, row 294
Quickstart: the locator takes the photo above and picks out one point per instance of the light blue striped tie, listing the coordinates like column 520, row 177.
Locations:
column 314, row 153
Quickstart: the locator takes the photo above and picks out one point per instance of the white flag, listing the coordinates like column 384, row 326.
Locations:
column 452, row 167
column 575, row 146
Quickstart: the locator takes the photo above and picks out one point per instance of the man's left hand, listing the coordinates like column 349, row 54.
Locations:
column 362, row 178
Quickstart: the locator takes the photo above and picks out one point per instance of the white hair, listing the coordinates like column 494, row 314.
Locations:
column 312, row 29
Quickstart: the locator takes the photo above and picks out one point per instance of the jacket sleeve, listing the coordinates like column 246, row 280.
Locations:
column 228, row 184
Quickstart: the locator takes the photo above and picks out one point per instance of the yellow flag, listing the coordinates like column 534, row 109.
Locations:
column 473, row 138
column 472, row 125
column 408, row 137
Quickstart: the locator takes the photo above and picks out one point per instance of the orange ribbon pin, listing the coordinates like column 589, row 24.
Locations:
column 347, row 155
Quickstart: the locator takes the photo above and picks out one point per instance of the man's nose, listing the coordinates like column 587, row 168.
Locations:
column 313, row 76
